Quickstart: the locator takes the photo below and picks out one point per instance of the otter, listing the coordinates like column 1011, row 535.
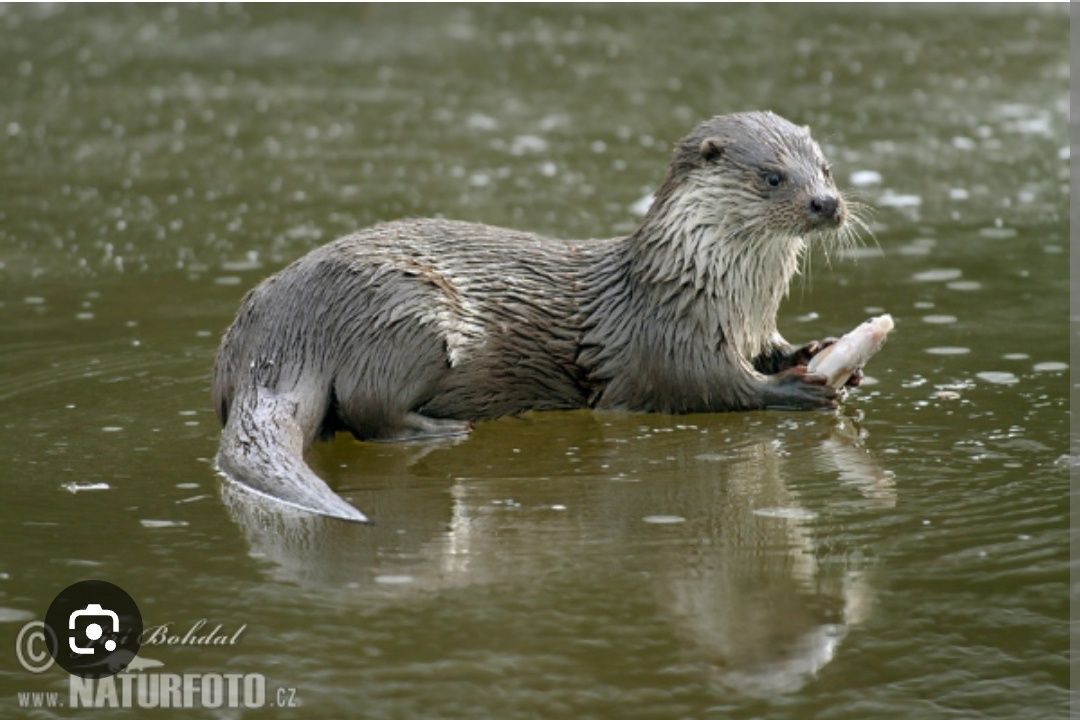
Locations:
column 416, row 329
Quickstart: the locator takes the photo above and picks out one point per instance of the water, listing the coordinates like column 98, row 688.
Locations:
column 905, row 558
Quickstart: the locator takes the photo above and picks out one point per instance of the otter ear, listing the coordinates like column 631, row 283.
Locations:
column 712, row 148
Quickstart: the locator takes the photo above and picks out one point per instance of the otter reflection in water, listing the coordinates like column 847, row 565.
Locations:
column 741, row 583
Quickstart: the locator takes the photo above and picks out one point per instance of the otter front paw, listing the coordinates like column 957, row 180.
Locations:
column 806, row 353
column 797, row 389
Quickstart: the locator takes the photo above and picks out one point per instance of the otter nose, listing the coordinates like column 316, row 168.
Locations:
column 824, row 207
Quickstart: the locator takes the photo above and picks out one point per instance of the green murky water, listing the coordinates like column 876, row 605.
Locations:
column 905, row 558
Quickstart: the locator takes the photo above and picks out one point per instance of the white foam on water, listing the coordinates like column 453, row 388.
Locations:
column 998, row 378
column 663, row 519
column 937, row 275
column 899, row 200
column 786, row 513
column 964, row 285
column 642, row 204
column 163, row 523
column 947, row 350
column 394, row 579
column 523, row 144
column 997, row 233
column 12, row 615
column 480, row 121
column 862, row 178
column 77, row 487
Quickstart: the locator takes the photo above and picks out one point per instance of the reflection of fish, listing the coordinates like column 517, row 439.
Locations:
column 140, row 663
column 844, row 453
column 838, row 361
column 108, row 664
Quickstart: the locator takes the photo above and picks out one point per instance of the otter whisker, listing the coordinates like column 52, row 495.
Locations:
column 857, row 203
column 831, row 242
column 806, row 271
column 863, row 226
column 857, row 198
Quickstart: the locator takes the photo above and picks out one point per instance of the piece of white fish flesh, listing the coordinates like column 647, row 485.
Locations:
column 838, row 361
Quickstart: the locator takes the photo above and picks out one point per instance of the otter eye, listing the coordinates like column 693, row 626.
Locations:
column 773, row 179
column 827, row 172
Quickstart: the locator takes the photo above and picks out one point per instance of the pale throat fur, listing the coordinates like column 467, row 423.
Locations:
column 714, row 271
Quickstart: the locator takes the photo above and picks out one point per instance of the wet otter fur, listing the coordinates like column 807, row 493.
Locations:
column 418, row 328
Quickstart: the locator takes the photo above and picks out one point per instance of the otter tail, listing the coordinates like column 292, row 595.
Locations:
column 262, row 447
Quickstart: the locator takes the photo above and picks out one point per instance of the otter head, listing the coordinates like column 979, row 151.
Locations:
column 756, row 174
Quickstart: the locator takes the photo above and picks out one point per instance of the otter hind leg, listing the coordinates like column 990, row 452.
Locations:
column 377, row 401
column 416, row 427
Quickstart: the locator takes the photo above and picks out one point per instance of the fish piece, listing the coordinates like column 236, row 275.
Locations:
column 838, row 361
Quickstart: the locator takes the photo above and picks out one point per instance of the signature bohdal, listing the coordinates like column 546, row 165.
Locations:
column 199, row 633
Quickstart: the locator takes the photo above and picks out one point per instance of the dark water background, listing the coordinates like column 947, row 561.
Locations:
column 905, row 558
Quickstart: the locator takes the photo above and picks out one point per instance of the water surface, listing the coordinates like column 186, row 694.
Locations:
column 902, row 558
